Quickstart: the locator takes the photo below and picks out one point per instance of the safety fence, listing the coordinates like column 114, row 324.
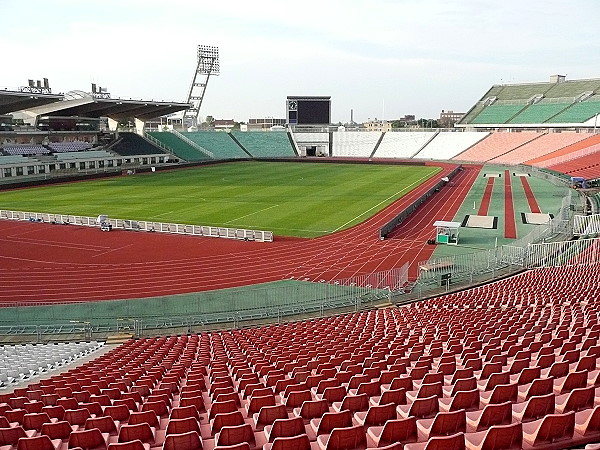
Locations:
column 586, row 225
column 392, row 280
column 141, row 225
column 568, row 253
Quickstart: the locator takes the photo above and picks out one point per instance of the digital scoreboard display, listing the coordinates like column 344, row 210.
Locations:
column 309, row 110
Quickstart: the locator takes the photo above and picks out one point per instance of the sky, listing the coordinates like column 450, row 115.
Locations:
column 380, row 58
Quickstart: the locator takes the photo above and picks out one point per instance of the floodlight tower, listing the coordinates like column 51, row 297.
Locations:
column 208, row 64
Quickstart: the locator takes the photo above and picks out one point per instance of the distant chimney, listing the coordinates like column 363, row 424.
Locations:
column 557, row 78
column 46, row 84
column 93, row 88
column 31, row 83
column 351, row 115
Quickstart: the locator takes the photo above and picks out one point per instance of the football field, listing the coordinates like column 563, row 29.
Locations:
column 290, row 199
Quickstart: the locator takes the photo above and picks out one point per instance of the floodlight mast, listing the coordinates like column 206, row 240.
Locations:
column 208, row 64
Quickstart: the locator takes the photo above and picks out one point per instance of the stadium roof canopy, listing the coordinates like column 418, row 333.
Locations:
column 83, row 104
column 11, row 101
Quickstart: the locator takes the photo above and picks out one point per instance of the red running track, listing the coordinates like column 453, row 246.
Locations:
column 43, row 263
column 510, row 227
column 533, row 204
column 487, row 198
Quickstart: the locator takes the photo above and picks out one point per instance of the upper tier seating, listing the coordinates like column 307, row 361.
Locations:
column 540, row 146
column 181, row 148
column 131, row 144
column 569, row 152
column 74, row 146
column 25, row 149
column 495, row 145
column 579, row 112
column 512, row 344
column 354, row 144
column 497, row 114
column 539, row 112
column 217, row 142
column 402, row 144
column 12, row 159
column 266, row 144
column 587, row 166
column 448, row 145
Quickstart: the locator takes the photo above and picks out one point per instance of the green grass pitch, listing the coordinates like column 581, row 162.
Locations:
column 290, row 199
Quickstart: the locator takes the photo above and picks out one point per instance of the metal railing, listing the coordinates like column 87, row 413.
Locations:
column 142, row 225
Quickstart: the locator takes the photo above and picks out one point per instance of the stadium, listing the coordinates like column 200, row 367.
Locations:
column 311, row 287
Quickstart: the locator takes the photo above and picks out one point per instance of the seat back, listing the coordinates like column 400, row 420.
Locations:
column 495, row 414
column 35, row 443
column 300, row 442
column 424, row 407
column 226, row 420
column 181, row 412
column 57, row 430
column 77, row 416
column 334, row 394
column 235, row 435
column 296, row 398
column 131, row 445
column 538, row 406
column 34, row 421
column 87, row 439
column 508, row 436
column 379, row 415
column 574, row 380
column 355, row 403
column 268, row 414
column 332, row 420
column 258, row 402
column 183, row 441
column 178, row 426
column 10, row 435
column 222, row 407
column 287, row 428
column 399, row 430
column 347, row 438
column 505, row 392
column 313, row 409
column 148, row 417
column 159, row 407
column 452, row 442
column 395, row 396
column 541, row 386
column 120, row 412
column 555, row 427
column 141, row 431
column 446, row 423
column 105, row 424
column 466, row 400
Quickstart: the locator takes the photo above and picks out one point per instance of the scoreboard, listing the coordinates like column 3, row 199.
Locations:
column 308, row 110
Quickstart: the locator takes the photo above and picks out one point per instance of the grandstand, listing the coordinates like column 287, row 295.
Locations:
column 558, row 103
column 265, row 144
column 448, row 145
column 355, row 145
column 219, row 143
column 403, row 145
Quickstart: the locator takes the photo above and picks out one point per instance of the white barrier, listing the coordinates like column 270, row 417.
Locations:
column 141, row 225
column 586, row 225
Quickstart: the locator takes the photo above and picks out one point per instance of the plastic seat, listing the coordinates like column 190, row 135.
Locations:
column 237, row 434
column 54, row 412
column 222, row 407
column 105, row 424
column 285, row 428
column 148, row 417
column 181, row 412
column 394, row 431
column 331, row 420
column 443, row 424
column 77, row 416
column 120, row 412
column 572, row 381
column 57, row 430
column 587, row 424
column 92, row 439
column 507, row 437
column 343, row 439
column 467, row 400
column 159, row 407
column 426, row 390
column 493, row 414
column 375, row 415
column 552, row 429
column 183, row 441
column 268, row 414
column 421, row 408
column 352, row 403
column 178, row 426
column 300, row 442
column 501, row 393
column 142, row 431
column 38, row 443
column 534, row 408
column 576, row 400
column 226, row 420
column 311, row 409
column 11, row 435
column 452, row 442
column 296, row 398
column 35, row 421
column 539, row 386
